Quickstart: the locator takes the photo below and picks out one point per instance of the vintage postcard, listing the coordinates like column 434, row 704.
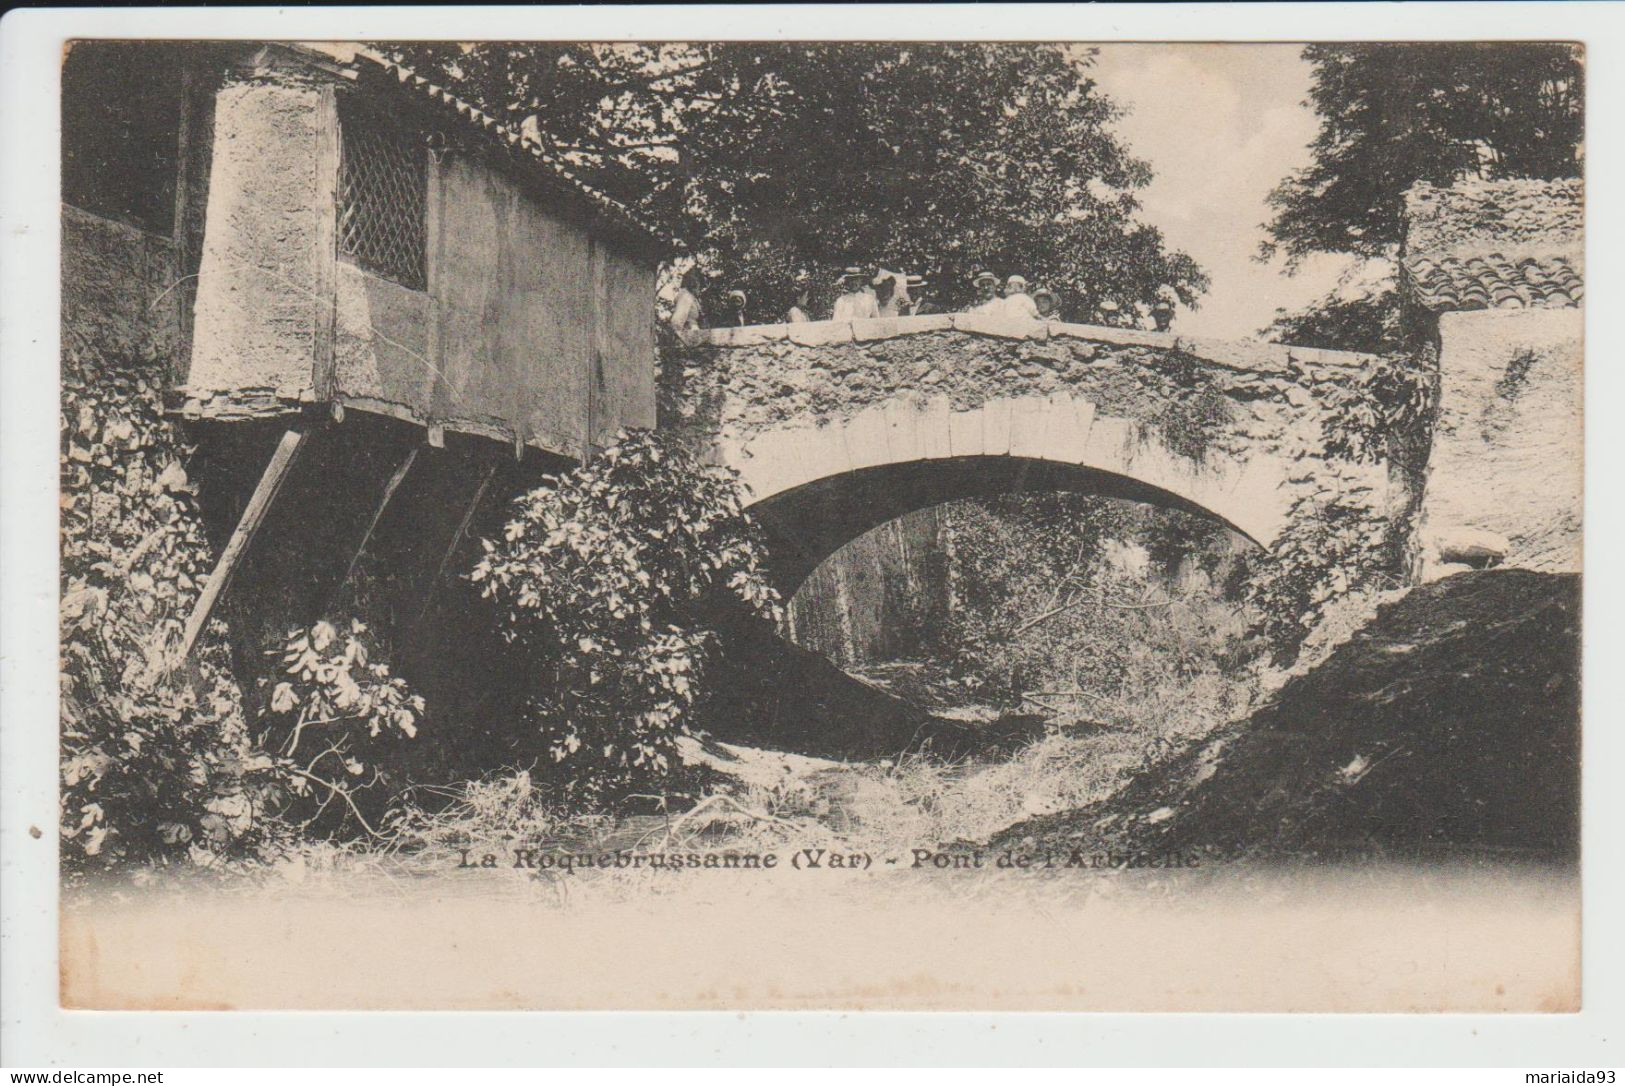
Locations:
column 892, row 525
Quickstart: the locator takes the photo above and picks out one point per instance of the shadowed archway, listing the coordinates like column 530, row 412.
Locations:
column 807, row 524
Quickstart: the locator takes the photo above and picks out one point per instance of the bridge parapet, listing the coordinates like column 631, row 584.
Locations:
column 1249, row 355
column 838, row 426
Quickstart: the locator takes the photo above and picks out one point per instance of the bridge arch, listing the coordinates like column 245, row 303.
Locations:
column 816, row 487
column 838, row 426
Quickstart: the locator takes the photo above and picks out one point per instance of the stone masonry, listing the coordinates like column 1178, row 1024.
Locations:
column 836, row 427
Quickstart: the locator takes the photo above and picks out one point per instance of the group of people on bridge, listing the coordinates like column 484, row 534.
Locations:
column 864, row 294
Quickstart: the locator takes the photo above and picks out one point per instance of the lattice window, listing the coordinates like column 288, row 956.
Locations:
column 383, row 183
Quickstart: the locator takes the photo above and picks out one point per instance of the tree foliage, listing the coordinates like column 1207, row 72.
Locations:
column 1372, row 323
column 765, row 158
column 616, row 582
column 1396, row 113
column 1047, row 596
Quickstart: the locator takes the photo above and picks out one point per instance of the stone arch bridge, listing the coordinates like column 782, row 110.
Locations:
column 838, row 427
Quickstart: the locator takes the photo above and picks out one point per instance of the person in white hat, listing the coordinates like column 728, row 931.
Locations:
column 918, row 303
column 1017, row 302
column 892, row 293
column 1048, row 305
column 736, row 307
column 857, row 301
column 1108, row 313
column 987, row 293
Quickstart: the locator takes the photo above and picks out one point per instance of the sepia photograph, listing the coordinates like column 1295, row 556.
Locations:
column 668, row 525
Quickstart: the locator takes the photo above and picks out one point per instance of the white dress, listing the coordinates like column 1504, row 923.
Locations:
column 685, row 312
column 1021, row 305
column 859, row 305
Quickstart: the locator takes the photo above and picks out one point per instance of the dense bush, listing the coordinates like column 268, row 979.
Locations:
column 156, row 758
column 1071, row 592
column 1329, row 550
column 163, row 758
column 615, row 583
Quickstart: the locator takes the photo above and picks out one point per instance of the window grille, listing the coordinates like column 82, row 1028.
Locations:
column 383, row 184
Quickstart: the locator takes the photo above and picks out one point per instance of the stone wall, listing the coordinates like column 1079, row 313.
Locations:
column 1506, row 470
column 1231, row 427
column 1518, row 218
column 118, row 299
column 877, row 597
column 754, row 378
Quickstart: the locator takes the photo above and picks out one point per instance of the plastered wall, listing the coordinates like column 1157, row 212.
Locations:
column 1506, row 449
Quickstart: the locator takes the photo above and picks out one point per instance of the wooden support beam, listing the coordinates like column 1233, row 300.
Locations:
column 242, row 537
column 390, row 487
column 457, row 538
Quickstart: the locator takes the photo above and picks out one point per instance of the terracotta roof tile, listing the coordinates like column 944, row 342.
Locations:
column 1494, row 281
column 1495, row 244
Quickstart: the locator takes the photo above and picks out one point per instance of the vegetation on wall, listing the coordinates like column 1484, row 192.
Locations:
column 156, row 758
column 617, row 583
column 1337, row 546
column 1330, row 550
column 1378, row 415
column 164, row 759
column 1189, row 413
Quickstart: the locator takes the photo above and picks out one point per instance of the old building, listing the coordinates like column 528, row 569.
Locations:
column 1497, row 270
column 380, row 310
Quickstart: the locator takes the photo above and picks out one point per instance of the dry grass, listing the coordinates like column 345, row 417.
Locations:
column 766, row 800
column 915, row 801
